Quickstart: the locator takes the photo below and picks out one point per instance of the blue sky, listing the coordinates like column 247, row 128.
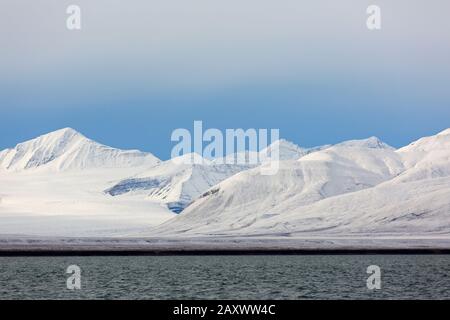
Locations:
column 135, row 72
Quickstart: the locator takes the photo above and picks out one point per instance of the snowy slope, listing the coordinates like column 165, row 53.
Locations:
column 67, row 149
column 53, row 185
column 286, row 150
column 72, row 204
column 359, row 186
column 64, row 184
column 371, row 143
column 428, row 157
column 177, row 182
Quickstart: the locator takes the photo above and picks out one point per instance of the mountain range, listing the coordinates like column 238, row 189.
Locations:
column 64, row 184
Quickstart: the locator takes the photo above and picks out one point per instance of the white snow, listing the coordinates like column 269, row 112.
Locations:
column 64, row 184
column 286, row 150
column 372, row 142
column 356, row 187
column 175, row 182
column 53, row 185
column 67, row 149
column 180, row 180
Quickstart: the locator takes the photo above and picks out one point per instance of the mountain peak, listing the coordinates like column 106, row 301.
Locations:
column 287, row 150
column 285, row 143
column 61, row 134
column 372, row 143
column 444, row 133
column 68, row 149
column 64, row 130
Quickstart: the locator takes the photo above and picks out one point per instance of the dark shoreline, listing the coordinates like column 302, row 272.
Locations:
column 221, row 252
column 218, row 246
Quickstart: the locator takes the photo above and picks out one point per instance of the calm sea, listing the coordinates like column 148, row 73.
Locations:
column 227, row 277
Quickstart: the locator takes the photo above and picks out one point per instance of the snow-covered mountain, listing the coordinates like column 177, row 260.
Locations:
column 371, row 143
column 428, row 157
column 64, row 184
column 67, row 149
column 359, row 186
column 177, row 182
column 286, row 150
column 53, row 185
column 68, row 184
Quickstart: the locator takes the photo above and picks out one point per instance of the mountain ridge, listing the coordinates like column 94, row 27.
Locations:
column 332, row 191
column 64, row 184
column 67, row 149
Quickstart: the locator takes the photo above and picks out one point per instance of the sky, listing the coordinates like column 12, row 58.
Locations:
column 137, row 70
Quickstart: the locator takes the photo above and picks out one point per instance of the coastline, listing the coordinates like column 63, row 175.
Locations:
column 36, row 246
